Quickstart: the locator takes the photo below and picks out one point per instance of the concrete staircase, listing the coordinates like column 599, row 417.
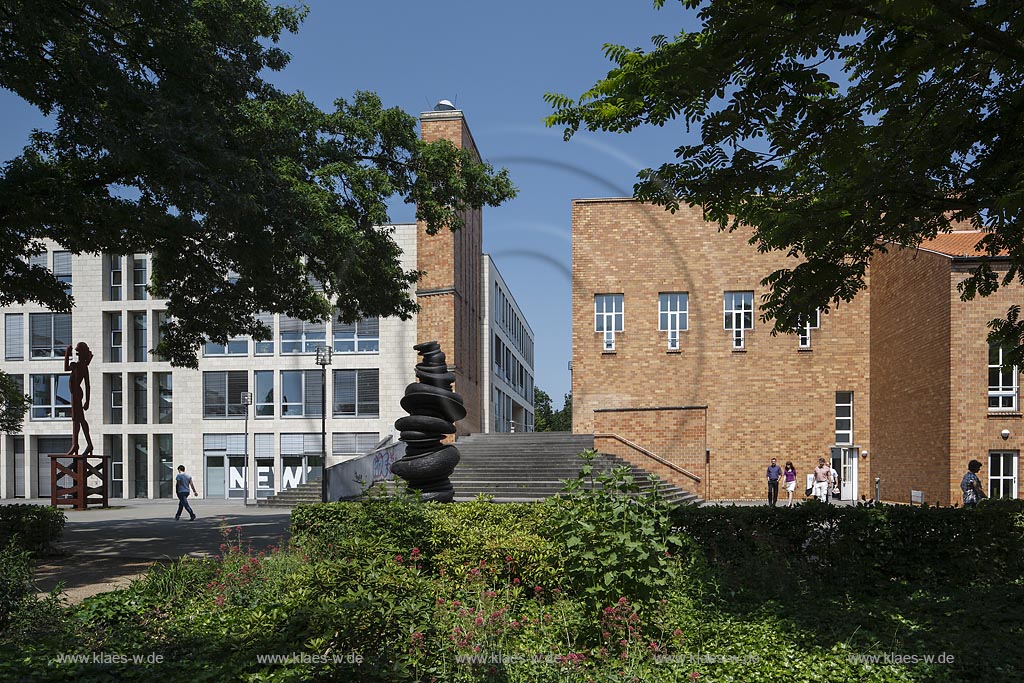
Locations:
column 303, row 493
column 531, row 466
column 519, row 467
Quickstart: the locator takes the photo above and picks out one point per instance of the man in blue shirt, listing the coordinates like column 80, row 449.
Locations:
column 182, row 482
column 774, row 473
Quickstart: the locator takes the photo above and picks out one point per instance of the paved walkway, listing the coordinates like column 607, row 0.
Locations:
column 103, row 549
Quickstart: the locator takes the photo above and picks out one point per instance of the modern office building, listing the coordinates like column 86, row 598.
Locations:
column 150, row 417
column 508, row 354
column 673, row 368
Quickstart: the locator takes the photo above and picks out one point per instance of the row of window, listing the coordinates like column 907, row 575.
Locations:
column 299, row 393
column 673, row 318
column 508, row 367
column 505, row 316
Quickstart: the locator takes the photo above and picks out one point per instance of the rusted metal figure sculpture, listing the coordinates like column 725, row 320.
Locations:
column 79, row 399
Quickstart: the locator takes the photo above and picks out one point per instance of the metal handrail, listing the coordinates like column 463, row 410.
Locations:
column 652, row 456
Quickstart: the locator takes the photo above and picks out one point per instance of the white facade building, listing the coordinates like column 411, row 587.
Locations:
column 508, row 356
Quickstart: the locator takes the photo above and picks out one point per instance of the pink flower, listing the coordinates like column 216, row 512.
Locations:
column 516, row 581
column 479, row 621
column 677, row 633
column 399, row 559
column 508, row 558
column 414, row 553
column 694, row 676
column 537, row 589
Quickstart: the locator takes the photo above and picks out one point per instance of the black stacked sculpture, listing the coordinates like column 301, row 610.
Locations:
column 433, row 409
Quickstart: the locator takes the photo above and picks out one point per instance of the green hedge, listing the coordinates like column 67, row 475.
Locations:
column 770, row 552
column 33, row 527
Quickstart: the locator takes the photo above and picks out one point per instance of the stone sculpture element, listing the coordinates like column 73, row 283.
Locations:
column 433, row 410
column 79, row 373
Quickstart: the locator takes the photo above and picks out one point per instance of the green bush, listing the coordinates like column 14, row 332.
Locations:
column 34, row 527
column 15, row 581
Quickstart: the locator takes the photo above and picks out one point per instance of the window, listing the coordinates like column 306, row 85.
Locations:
column 301, row 393
column 51, row 397
column 356, row 393
column 298, row 336
column 844, row 417
column 140, row 397
column 164, row 398
column 62, row 268
column 50, row 334
column 1002, row 474
column 236, row 346
column 672, row 316
column 222, row 393
column 116, row 338
column 1002, row 381
column 266, row 348
column 739, row 315
column 160, row 325
column 138, row 443
column 140, row 279
column 115, row 449
column 14, row 336
column 358, row 337
column 608, row 317
column 264, row 398
column 165, row 457
column 804, row 327
column 140, row 350
column 115, row 397
column 116, row 278
column 353, row 443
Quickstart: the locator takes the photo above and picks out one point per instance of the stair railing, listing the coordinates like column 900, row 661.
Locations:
column 648, row 454
column 350, row 479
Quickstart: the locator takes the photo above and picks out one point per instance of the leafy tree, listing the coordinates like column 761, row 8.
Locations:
column 561, row 421
column 834, row 128
column 13, row 404
column 542, row 410
column 167, row 139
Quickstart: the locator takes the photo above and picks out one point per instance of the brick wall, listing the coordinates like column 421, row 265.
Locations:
column 771, row 399
column 449, row 291
column 910, row 370
column 675, row 434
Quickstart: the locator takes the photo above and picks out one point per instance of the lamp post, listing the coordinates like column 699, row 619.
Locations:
column 246, row 402
column 323, row 359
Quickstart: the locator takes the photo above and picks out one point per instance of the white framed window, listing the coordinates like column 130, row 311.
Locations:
column 357, row 393
column 164, row 397
column 301, row 393
column 264, row 395
column 672, row 315
column 222, row 393
column 608, row 317
column 844, row 417
column 298, row 336
column 115, row 397
column 1002, row 381
column 362, row 336
column 62, row 268
column 350, row 444
column 115, row 278
column 236, row 346
column 140, row 342
column 140, row 397
column 14, row 336
column 739, row 315
column 51, row 397
column 804, row 327
column 50, row 334
column 1002, row 474
column 140, row 277
column 266, row 347
column 115, row 342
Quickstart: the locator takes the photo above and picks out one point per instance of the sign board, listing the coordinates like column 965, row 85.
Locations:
column 916, row 497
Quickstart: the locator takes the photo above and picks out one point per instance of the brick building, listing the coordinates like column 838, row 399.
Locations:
column 150, row 417
column 673, row 369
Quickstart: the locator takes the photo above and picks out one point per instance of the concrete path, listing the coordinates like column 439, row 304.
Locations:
column 103, row 549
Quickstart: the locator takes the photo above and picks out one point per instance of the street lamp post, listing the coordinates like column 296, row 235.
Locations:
column 323, row 359
column 246, row 402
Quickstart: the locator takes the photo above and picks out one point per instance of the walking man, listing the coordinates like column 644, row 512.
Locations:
column 182, row 483
column 774, row 473
column 822, row 479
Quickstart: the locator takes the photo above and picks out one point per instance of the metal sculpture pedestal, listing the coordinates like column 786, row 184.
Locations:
column 80, row 495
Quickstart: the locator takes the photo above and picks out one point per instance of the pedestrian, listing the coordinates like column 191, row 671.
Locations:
column 822, row 480
column 774, row 473
column 790, row 474
column 834, row 483
column 971, row 485
column 182, row 484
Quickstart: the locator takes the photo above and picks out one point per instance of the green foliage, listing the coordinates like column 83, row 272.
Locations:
column 167, row 140
column 32, row 527
column 13, row 404
column 833, row 133
column 546, row 418
column 615, row 543
column 15, row 581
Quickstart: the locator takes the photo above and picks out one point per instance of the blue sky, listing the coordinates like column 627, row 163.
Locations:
column 495, row 61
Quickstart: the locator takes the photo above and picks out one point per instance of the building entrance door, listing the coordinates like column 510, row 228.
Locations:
column 844, row 461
